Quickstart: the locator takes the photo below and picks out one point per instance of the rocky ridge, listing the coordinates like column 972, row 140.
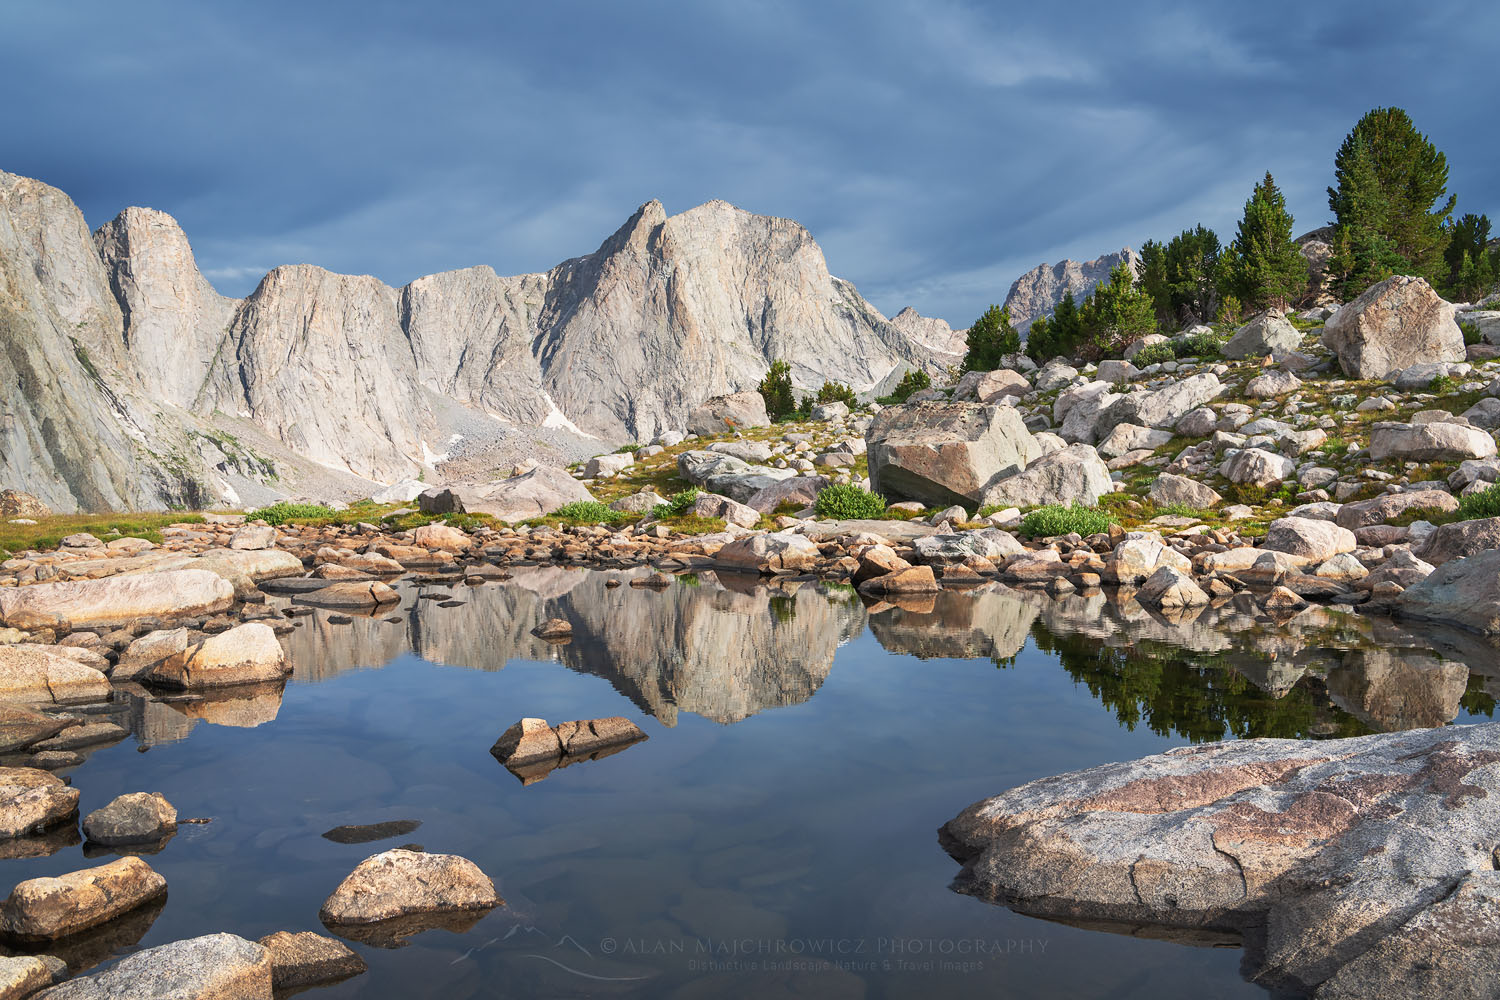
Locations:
column 1038, row 291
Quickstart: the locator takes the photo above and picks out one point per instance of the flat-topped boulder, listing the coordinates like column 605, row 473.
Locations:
column 1355, row 867
column 303, row 959
column 946, row 453
column 37, row 674
column 115, row 600
column 212, row 967
column 531, row 749
column 1392, row 325
column 1436, row 441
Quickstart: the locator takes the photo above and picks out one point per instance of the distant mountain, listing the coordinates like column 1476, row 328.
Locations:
column 127, row 381
column 1038, row 291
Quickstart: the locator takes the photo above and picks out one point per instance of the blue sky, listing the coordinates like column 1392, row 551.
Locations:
column 935, row 149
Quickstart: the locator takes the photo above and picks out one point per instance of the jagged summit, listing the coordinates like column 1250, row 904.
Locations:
column 1038, row 291
column 138, row 385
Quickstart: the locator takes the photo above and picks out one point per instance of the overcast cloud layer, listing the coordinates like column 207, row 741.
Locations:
column 935, row 149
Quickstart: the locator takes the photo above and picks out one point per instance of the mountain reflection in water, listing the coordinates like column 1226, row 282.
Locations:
column 725, row 648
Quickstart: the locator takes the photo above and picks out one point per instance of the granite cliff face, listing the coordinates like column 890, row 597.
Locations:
column 1039, row 290
column 135, row 384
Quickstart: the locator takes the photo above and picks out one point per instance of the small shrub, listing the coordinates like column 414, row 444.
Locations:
column 1198, row 345
column 1153, row 354
column 836, row 392
column 677, row 505
column 1480, row 503
column 1471, row 334
column 590, row 512
column 913, row 381
column 848, row 502
column 1442, row 385
column 1183, row 510
column 1055, row 519
column 281, row 513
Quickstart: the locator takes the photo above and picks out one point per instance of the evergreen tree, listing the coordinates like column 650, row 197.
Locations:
column 1192, row 271
column 1389, row 178
column 776, row 390
column 1153, row 281
column 1116, row 313
column 1041, row 341
column 1266, row 268
column 1468, row 248
column 990, row 338
column 1067, row 325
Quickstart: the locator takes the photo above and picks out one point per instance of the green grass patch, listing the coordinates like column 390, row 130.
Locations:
column 1055, row 519
column 1480, row 503
column 49, row 531
column 677, row 505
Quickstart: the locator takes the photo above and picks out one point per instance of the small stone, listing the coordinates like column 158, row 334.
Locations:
column 133, row 818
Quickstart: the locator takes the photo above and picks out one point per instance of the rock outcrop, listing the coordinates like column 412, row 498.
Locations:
column 1355, row 867
column 1392, row 325
column 946, row 453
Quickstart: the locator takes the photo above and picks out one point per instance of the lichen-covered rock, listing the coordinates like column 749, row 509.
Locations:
column 303, row 959
column 1169, row 488
column 1257, row 467
column 1341, row 862
column 736, row 411
column 400, row 883
column 45, row 909
column 133, row 818
column 1392, row 325
column 212, row 967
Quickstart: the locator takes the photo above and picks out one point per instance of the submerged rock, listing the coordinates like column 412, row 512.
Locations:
column 1357, row 867
column 368, row 832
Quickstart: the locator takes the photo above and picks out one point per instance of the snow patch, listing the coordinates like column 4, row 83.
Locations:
column 556, row 420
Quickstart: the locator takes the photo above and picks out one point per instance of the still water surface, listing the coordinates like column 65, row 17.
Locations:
column 776, row 834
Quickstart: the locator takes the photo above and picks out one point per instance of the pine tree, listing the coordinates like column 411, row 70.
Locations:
column 990, row 338
column 1469, row 238
column 1067, row 325
column 776, row 390
column 1117, row 312
column 1153, row 281
column 1389, row 178
column 1041, row 341
column 1266, row 268
column 1192, row 266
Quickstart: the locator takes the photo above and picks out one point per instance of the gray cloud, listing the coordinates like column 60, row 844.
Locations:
column 936, row 149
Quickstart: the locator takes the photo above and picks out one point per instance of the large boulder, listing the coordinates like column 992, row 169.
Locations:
column 1170, row 588
column 1308, row 539
column 1132, row 437
column 1463, row 592
column 115, row 600
column 1353, row 868
column 212, row 967
column 45, row 909
column 990, row 387
column 1162, row 407
column 245, row 654
column 1076, row 474
column 532, row 494
column 1257, row 467
column 946, row 453
column 1460, row 540
column 729, row 476
column 774, row 552
column 401, row 883
column 989, row 543
column 726, row 414
column 731, row 511
column 799, row 490
column 1388, row 506
column 33, row 800
column 1394, row 324
column 1267, row 333
column 48, row 674
column 132, row 818
column 1438, row 441
column 1170, row 489
column 1135, row 560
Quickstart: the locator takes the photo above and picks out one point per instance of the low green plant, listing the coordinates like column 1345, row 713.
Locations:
column 1442, row 385
column 845, row 501
column 836, row 392
column 677, row 505
column 589, row 512
column 1153, row 354
column 1471, row 334
column 282, row 512
column 1056, row 519
column 1204, row 344
column 1480, row 503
